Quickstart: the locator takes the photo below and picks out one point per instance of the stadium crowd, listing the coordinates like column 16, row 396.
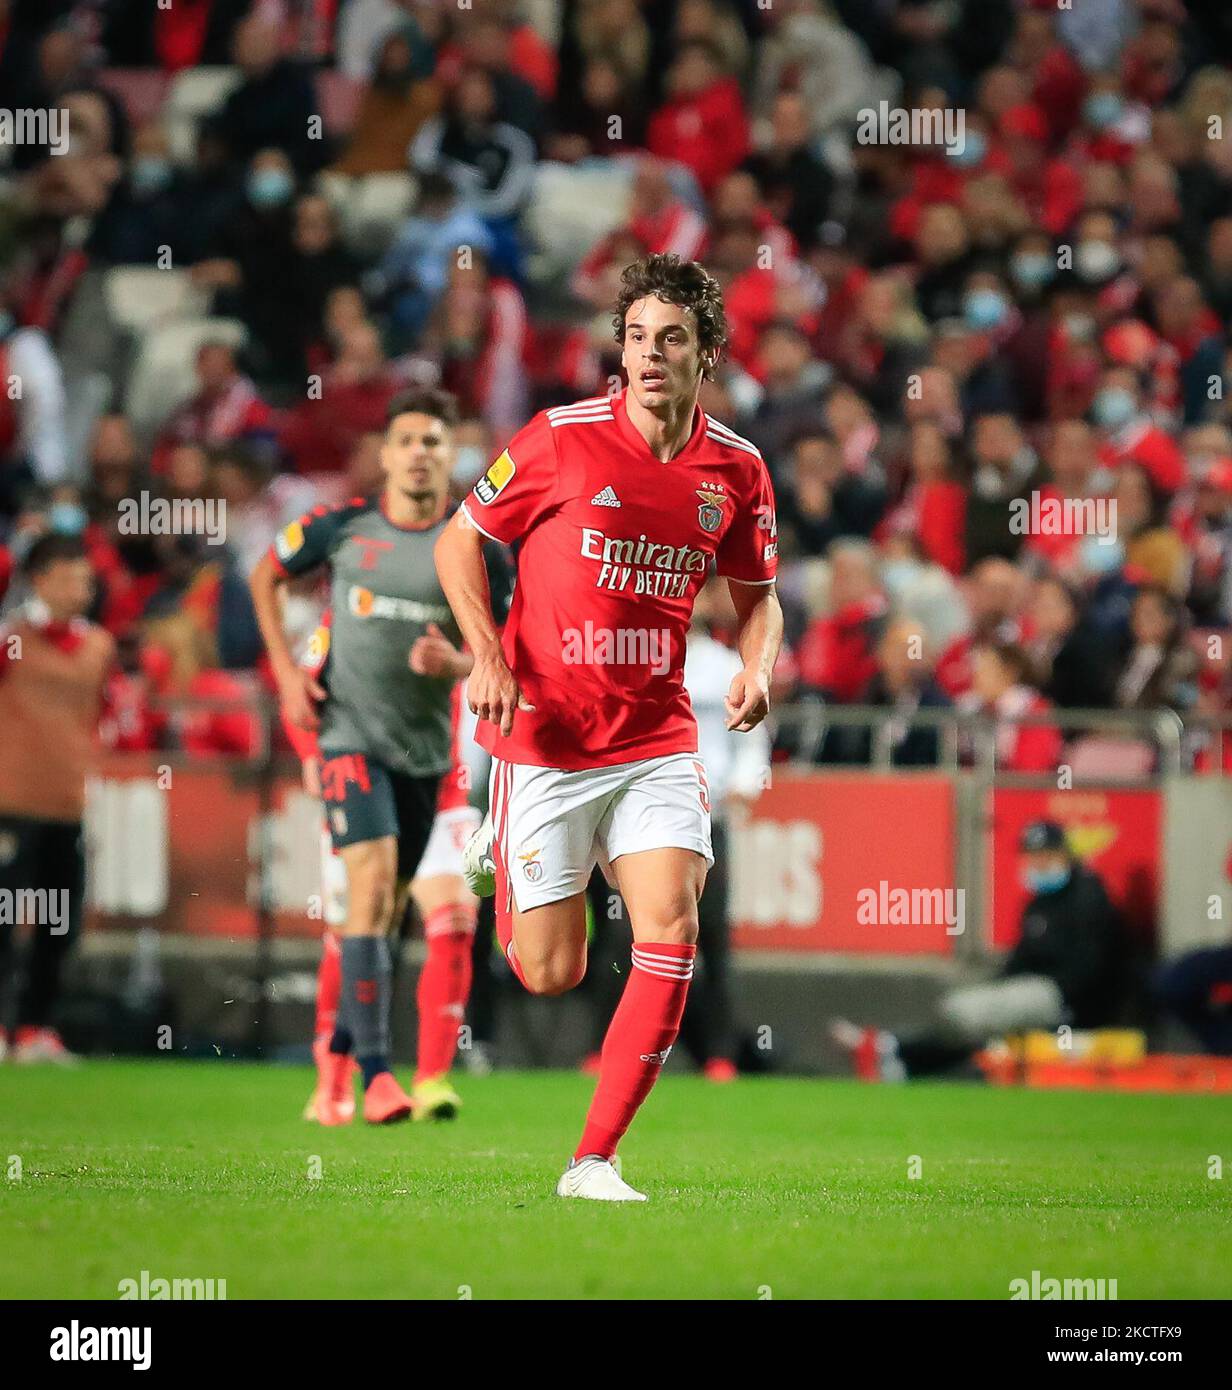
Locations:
column 922, row 336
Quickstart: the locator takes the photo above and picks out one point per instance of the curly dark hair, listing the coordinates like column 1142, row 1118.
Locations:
column 674, row 281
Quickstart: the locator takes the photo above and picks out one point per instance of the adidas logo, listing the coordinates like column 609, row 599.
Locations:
column 606, row 498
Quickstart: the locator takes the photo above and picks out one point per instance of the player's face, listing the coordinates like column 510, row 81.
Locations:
column 662, row 354
column 417, row 455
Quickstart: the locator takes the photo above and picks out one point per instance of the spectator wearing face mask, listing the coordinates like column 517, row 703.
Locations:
column 145, row 213
column 1068, row 966
column 250, row 266
column 1126, row 430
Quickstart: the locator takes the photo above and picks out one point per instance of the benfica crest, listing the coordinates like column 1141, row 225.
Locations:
column 710, row 509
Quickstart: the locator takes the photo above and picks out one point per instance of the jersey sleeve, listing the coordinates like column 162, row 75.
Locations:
column 308, row 542
column 520, row 488
column 749, row 550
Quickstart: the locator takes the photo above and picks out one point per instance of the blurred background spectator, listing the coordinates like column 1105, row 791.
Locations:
column 268, row 217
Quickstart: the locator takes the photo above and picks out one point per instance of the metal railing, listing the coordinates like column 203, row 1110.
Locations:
column 970, row 740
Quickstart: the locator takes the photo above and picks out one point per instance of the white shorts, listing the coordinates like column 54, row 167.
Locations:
column 450, row 831
column 555, row 825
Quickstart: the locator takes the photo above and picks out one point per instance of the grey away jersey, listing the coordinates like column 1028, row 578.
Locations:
column 383, row 594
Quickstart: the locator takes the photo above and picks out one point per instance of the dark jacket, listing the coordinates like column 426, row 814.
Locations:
column 1075, row 937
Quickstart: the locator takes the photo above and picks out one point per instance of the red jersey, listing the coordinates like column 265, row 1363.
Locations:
column 614, row 545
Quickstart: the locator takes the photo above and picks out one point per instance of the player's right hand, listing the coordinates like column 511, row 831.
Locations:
column 492, row 693
column 301, row 692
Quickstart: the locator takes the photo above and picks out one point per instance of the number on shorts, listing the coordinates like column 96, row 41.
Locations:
column 703, row 788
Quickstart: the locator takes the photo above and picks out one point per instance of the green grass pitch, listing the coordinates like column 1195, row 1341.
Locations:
column 766, row 1188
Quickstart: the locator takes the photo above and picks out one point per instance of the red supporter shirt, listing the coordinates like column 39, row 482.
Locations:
column 614, row 545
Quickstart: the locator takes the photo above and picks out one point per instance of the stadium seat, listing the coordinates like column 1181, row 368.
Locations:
column 337, row 100
column 194, row 94
column 1104, row 757
column 370, row 208
column 570, row 209
column 162, row 376
column 139, row 297
column 142, row 91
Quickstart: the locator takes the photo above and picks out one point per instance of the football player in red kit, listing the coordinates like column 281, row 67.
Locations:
column 619, row 508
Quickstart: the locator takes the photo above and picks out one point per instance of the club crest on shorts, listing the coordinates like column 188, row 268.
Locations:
column 710, row 509
column 531, row 866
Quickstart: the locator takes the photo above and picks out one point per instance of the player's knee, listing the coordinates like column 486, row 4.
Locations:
column 552, row 975
column 370, row 887
column 673, row 928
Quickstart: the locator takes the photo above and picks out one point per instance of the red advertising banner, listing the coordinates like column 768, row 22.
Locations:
column 848, row 863
column 187, row 847
column 1116, row 833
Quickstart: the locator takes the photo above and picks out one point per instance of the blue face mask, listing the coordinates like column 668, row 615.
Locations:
column 972, row 153
column 269, row 188
column 984, row 309
column 1045, row 880
column 1101, row 557
column 150, row 174
column 1102, row 110
column 1032, row 270
column 1114, row 407
column 67, row 518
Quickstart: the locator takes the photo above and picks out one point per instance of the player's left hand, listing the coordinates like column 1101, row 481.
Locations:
column 748, row 701
column 433, row 654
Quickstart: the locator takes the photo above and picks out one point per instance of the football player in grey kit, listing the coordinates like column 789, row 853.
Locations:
column 382, row 723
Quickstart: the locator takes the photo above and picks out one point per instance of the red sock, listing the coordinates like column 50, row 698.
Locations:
column 444, row 984
column 501, row 778
column 329, row 986
column 639, row 1037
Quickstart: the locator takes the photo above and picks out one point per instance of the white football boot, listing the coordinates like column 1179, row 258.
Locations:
column 597, row 1180
column 478, row 865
